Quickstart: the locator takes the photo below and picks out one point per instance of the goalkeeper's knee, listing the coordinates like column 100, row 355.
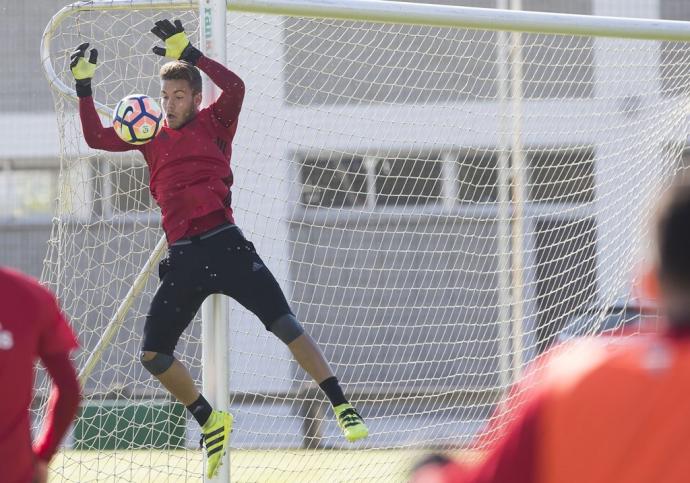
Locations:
column 286, row 328
column 155, row 362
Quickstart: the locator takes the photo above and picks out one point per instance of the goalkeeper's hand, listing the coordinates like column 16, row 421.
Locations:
column 82, row 69
column 177, row 45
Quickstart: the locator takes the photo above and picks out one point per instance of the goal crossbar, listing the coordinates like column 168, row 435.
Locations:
column 398, row 12
column 471, row 18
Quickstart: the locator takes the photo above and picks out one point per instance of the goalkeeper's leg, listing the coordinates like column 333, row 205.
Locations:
column 260, row 293
column 216, row 426
column 242, row 274
column 251, row 283
column 311, row 359
column 172, row 309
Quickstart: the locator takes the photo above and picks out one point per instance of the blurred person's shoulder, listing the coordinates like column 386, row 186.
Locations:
column 600, row 360
column 18, row 283
column 23, row 295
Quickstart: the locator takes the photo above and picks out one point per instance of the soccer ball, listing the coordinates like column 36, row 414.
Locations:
column 137, row 119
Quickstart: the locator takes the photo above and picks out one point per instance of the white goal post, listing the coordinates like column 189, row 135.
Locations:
column 440, row 190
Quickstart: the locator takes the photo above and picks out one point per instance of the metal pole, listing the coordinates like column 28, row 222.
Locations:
column 519, row 198
column 505, row 303
column 511, row 173
column 215, row 312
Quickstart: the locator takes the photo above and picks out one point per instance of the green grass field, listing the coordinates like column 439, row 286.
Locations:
column 247, row 466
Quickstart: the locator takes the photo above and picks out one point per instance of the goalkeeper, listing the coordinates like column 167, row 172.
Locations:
column 190, row 179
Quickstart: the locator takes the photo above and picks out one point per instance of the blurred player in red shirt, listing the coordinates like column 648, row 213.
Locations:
column 32, row 327
column 606, row 410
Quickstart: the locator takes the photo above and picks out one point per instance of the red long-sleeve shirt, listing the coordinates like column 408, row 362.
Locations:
column 599, row 413
column 190, row 174
column 32, row 327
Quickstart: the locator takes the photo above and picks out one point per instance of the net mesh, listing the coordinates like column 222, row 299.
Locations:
column 440, row 206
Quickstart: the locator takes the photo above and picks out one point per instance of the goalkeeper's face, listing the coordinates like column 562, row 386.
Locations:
column 179, row 102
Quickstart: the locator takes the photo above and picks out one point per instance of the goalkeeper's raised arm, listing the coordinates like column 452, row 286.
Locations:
column 96, row 136
column 226, row 108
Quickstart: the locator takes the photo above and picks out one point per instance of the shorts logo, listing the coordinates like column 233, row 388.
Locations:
column 6, row 340
column 256, row 267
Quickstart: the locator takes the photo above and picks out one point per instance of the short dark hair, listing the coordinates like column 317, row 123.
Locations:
column 179, row 69
column 673, row 236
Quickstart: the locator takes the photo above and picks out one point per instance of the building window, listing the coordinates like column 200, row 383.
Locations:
column 28, row 192
column 408, row 181
column 477, row 176
column 561, row 176
column 555, row 175
column 335, row 180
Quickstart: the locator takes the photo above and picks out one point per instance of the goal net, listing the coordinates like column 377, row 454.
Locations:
column 441, row 205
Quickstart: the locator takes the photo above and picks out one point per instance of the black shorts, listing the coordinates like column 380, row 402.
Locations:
column 225, row 263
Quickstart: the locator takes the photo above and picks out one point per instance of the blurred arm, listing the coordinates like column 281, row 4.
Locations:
column 62, row 404
column 513, row 460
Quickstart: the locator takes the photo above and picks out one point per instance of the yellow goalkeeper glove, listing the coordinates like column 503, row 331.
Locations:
column 82, row 69
column 177, row 45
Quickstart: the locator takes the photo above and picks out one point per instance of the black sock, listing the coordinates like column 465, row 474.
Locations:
column 201, row 410
column 333, row 391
